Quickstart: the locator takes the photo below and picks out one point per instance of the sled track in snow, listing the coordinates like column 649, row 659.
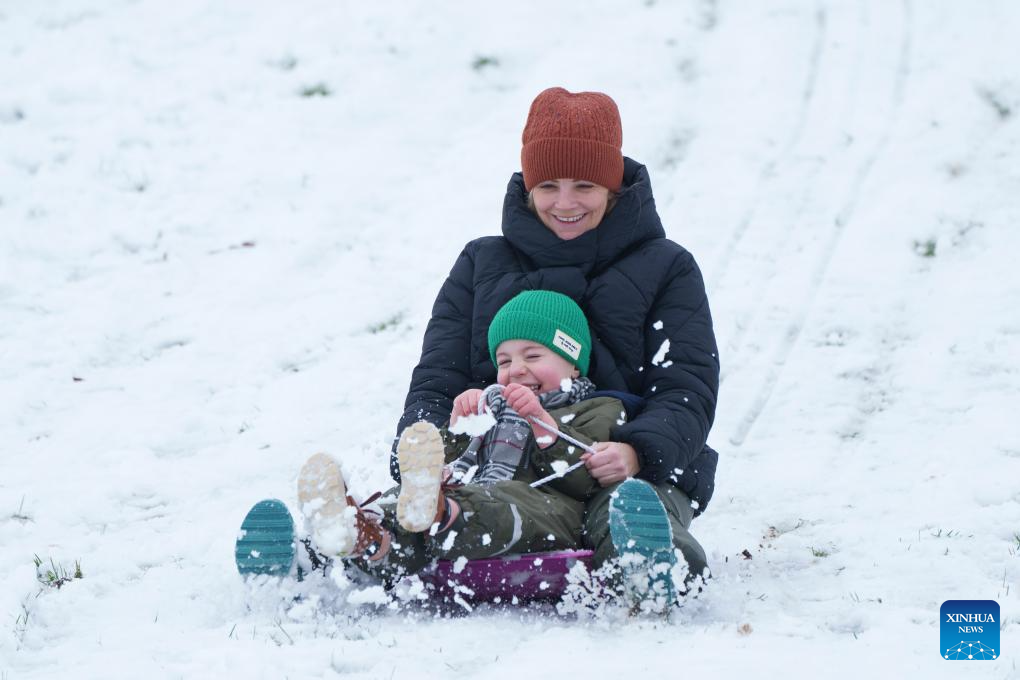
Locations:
column 789, row 335
column 769, row 168
column 782, row 165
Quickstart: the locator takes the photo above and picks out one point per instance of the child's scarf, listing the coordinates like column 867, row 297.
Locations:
column 499, row 453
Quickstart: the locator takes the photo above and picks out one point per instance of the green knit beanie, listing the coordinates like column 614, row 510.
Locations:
column 548, row 318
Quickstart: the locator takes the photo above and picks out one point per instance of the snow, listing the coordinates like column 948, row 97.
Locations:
column 335, row 535
column 559, row 466
column 205, row 277
column 473, row 425
column 447, row 543
column 375, row 595
column 661, row 354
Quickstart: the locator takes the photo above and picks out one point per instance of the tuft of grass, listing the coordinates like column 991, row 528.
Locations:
column 12, row 116
column 677, row 147
column 287, row 62
column 316, row 90
column 482, row 62
column 387, row 324
column 20, row 514
column 56, row 575
column 22, row 620
column 20, row 628
column 925, row 248
column 1002, row 109
column 955, row 169
column 709, row 18
column 818, row 552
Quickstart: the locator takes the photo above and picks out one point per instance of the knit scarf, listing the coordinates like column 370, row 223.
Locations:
column 497, row 455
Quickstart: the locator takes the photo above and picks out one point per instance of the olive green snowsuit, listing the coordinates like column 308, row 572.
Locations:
column 568, row 513
column 512, row 516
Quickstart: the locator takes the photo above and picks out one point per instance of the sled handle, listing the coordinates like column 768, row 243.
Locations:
column 563, row 436
column 557, row 475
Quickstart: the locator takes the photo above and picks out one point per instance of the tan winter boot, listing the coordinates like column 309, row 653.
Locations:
column 420, row 457
column 338, row 525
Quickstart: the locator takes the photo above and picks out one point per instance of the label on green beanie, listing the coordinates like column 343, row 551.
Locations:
column 566, row 343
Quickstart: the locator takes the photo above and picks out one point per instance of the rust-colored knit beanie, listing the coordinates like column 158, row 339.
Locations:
column 573, row 135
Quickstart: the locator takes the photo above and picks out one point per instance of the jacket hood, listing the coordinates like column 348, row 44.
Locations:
column 632, row 220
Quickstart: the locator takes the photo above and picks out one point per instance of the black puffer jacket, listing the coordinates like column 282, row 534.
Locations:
column 639, row 291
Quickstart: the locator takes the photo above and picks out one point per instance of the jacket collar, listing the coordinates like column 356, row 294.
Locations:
column 631, row 221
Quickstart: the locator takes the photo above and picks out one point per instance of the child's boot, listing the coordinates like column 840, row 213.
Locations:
column 643, row 538
column 337, row 524
column 420, row 456
column 265, row 544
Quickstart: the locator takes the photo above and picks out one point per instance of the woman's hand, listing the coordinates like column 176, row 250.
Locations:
column 523, row 400
column 612, row 462
column 466, row 404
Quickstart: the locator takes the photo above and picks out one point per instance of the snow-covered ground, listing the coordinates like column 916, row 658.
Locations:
column 222, row 226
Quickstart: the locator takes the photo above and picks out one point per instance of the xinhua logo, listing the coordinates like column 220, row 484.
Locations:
column 969, row 630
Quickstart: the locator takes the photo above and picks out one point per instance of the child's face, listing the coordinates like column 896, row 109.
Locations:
column 528, row 363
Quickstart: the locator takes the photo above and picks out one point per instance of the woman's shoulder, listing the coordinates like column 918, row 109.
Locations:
column 482, row 259
column 487, row 244
column 483, row 251
column 492, row 255
column 657, row 257
column 664, row 245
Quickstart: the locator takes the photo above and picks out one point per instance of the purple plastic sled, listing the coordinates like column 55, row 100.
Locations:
column 534, row 576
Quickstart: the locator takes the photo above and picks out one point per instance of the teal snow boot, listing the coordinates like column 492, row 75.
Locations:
column 643, row 538
column 266, row 542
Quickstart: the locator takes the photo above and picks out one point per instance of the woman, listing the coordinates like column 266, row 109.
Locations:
column 580, row 219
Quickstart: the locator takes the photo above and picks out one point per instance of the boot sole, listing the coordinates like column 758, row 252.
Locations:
column 265, row 544
column 420, row 456
column 320, row 488
column 640, row 530
column 322, row 494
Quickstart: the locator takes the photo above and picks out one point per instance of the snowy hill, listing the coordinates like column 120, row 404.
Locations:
column 222, row 227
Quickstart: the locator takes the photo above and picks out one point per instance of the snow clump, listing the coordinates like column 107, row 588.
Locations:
column 473, row 425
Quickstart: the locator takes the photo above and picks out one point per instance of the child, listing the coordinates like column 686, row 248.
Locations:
column 540, row 345
column 482, row 504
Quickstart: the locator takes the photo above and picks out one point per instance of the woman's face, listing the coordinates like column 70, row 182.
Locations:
column 570, row 207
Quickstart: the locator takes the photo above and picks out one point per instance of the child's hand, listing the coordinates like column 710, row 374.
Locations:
column 526, row 403
column 523, row 400
column 466, row 404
